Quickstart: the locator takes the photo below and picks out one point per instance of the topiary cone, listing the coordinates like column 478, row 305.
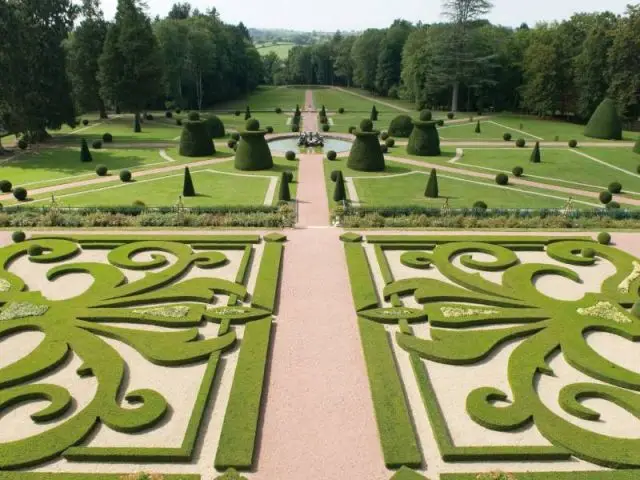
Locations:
column 339, row 193
column 137, row 128
column 424, row 140
column 366, row 154
column 478, row 127
column 188, row 190
column 605, row 122
column 636, row 147
column 374, row 114
column 284, row 195
column 432, row 185
column 247, row 113
column 85, row 154
column 535, row 154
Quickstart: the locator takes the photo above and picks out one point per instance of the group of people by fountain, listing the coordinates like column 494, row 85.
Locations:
column 310, row 139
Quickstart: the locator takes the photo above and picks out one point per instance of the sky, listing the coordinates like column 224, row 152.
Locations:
column 331, row 15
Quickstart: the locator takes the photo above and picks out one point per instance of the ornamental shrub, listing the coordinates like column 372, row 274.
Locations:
column 341, row 110
column 20, row 194
column 384, row 148
column 188, row 189
column 149, row 116
column 573, row 143
column 102, row 170
column 636, row 147
column 178, row 122
column 390, row 142
column 605, row 122
column 426, row 116
column 195, row 140
column 605, row 197
column 231, row 143
column 638, row 169
column 138, row 203
column 178, row 111
column 424, row 139
column 635, row 310
column 215, row 127
column 352, row 129
column 334, row 175
column 332, row 155
column 521, row 143
column 325, row 127
column 5, row 186
column 235, row 136
column 295, row 127
column 613, row 205
column 502, row 179
column 615, row 187
column 107, row 138
column 193, row 116
column 97, row 144
column 401, row 126
column 125, row 175
column 480, row 205
column 85, row 122
column 535, row 154
column 253, row 152
column 450, row 115
column 384, row 135
column 366, row 155
column 588, row 252
column 284, row 195
column 247, row 113
column 290, row 155
column 339, row 193
column 478, row 130
column 35, row 250
column 22, row 144
column 440, row 123
column 137, row 126
column 18, row 236
column 85, row 154
column 374, row 114
column 507, row 137
column 604, row 238
column 518, row 171
column 269, row 129
column 168, row 114
column 289, row 176
column 237, row 113
column 278, row 110
column 366, row 126
column 432, row 185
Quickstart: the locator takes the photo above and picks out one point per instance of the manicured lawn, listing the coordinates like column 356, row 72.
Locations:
column 281, row 49
column 334, row 99
column 406, row 104
column 624, row 158
column 342, row 122
column 275, row 120
column 267, row 98
column 488, row 131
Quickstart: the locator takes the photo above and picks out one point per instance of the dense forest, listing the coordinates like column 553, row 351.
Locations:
column 58, row 59
column 563, row 68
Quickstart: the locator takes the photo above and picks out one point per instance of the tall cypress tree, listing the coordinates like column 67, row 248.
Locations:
column 284, row 194
column 535, row 154
column 432, row 185
column 374, row 114
column 188, row 189
column 130, row 67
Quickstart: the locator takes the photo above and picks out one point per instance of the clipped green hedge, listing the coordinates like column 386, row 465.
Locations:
column 253, row 152
column 424, row 140
column 366, row 154
column 636, row 147
column 195, row 140
column 215, row 127
column 401, row 126
column 605, row 122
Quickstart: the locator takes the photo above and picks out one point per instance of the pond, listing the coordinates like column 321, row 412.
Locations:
column 286, row 144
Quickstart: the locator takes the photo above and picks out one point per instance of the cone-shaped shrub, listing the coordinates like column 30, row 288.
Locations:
column 605, row 122
column 323, row 112
column 253, row 152
column 137, row 128
column 374, row 114
column 215, row 127
column 339, row 193
column 636, row 147
column 247, row 113
column 535, row 154
column 366, row 154
column 284, row 195
column 478, row 130
column 195, row 140
column 85, row 154
column 401, row 126
column 424, row 140
column 432, row 185
column 188, row 190
column 297, row 112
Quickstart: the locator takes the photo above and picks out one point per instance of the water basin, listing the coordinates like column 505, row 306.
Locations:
column 285, row 144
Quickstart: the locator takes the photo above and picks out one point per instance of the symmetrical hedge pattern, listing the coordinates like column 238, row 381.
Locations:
column 470, row 319
column 117, row 308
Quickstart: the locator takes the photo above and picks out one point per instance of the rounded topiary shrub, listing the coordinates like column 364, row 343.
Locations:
column 440, row 123
column 384, row 135
column 149, row 116
column 341, row 110
column 401, row 126
column 253, row 152
column 518, row 171
column 85, row 122
column 390, row 142
column 269, row 129
column 604, row 238
column 636, row 147
column 331, row 155
column 588, row 252
column 139, row 203
column 231, row 143
column 507, row 137
column 178, row 122
column 195, row 140
column 502, row 179
column 102, row 170
column 366, row 155
column 5, row 186
column 215, row 127
column 193, row 116
column 125, row 175
column 168, row 114
column 35, row 250
column 615, row 187
column 605, row 122
column 521, row 143
column 290, row 155
column 97, row 144
column 334, row 175
column 613, row 205
column 384, row 148
column 20, row 194
column 451, row 115
column 426, row 116
column 424, row 139
column 235, row 136
column 237, row 113
column 573, row 143
column 107, row 138
column 352, row 129
column 605, row 197
column 480, row 205
column 288, row 176
column 278, row 110
column 178, row 111
column 325, row 127
column 18, row 236
column 22, row 144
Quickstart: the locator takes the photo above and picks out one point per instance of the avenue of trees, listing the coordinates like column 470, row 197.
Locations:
column 466, row 63
column 59, row 59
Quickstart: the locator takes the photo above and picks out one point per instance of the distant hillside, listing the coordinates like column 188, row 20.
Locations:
column 280, row 48
column 261, row 36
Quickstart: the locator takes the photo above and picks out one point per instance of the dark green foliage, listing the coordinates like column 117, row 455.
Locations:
column 232, row 143
column 325, row 127
column 137, row 127
column 390, row 142
column 278, row 110
column 615, row 187
column 237, row 113
column 295, row 127
column 290, row 155
column 424, row 139
column 507, row 137
column 284, row 195
column 178, row 122
column 247, row 113
column 149, row 117
column 518, row 171
column 22, row 144
column 478, row 130
column 139, row 203
column 289, row 176
column 366, row 154
column 366, row 125
column 253, row 152
column 480, row 205
column 20, row 194
column 635, row 310
column 352, row 129
column 269, row 129
column 588, row 253
column 125, row 175
column 5, row 186
column 426, row 116
column 178, row 111
column 535, row 154
column 636, row 147
column 35, row 250
column 18, row 236
column 334, row 175
column 521, row 143
column 613, row 205
column 339, row 193
column 215, row 127
column 102, row 170
column 502, row 179
column 384, row 148
column 97, row 144
column 323, row 112
column 638, row 169
column 432, row 185
column 188, row 190
column 107, row 138
column 85, row 154
column 341, row 110
column 168, row 114
column 332, row 155
column 195, row 140
column 193, row 116
column 605, row 197
column 374, row 114
column 297, row 113
column 85, row 122
column 235, row 136
column 605, row 122
column 440, row 123
column 451, row 115
column 604, row 238
column 573, row 143
column 384, row 135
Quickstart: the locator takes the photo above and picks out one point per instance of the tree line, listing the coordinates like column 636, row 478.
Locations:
column 466, row 63
column 59, row 59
